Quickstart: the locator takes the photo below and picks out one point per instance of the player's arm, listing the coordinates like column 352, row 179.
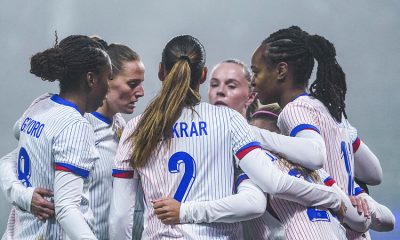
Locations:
column 306, row 147
column 367, row 166
column 248, row 203
column 74, row 154
column 382, row 219
column 125, row 184
column 258, row 166
column 262, row 171
column 16, row 193
column 67, row 198
column 122, row 207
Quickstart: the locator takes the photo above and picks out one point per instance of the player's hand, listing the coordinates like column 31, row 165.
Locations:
column 361, row 204
column 167, row 210
column 40, row 207
column 341, row 212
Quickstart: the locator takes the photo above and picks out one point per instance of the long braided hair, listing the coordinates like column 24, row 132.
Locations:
column 298, row 49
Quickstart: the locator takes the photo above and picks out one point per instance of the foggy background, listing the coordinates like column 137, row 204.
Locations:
column 366, row 34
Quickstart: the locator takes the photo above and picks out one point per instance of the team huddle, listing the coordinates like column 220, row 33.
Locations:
column 292, row 167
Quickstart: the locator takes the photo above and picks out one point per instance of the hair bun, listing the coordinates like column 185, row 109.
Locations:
column 48, row 65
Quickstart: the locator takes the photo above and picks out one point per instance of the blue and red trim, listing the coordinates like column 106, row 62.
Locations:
column 302, row 127
column 246, row 149
column 329, row 181
column 122, row 173
column 71, row 168
column 356, row 144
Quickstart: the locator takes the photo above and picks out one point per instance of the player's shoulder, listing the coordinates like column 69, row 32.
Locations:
column 119, row 121
column 131, row 125
column 216, row 111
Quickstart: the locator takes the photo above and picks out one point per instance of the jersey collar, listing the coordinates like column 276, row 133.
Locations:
column 56, row 98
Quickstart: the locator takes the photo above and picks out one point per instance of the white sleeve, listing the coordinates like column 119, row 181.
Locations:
column 352, row 219
column 271, row 180
column 250, row 202
column 367, row 167
column 16, row 193
column 68, row 189
column 306, row 149
column 382, row 219
column 122, row 208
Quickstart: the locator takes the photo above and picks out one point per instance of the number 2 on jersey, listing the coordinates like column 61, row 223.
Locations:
column 188, row 177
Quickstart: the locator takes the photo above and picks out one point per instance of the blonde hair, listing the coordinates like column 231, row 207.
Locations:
column 183, row 58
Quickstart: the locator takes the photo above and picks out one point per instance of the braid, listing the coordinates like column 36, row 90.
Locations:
column 298, row 49
column 330, row 86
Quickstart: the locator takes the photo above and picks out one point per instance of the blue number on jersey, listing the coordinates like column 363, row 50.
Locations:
column 314, row 214
column 345, row 155
column 188, row 177
column 24, row 167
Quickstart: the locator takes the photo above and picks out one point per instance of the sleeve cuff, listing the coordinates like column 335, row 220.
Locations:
column 58, row 166
column 122, row 173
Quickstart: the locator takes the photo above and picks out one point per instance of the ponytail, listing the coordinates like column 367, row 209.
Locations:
column 157, row 121
column 330, row 85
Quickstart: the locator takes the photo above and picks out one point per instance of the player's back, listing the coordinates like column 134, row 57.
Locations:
column 45, row 143
column 306, row 112
column 198, row 166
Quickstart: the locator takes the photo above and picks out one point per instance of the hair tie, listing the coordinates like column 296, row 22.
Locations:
column 264, row 112
column 185, row 57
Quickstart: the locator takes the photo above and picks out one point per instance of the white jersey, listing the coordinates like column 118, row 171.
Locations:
column 53, row 136
column 204, row 142
column 306, row 112
column 299, row 222
column 107, row 133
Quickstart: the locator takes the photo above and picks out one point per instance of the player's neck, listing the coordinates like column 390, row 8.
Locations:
column 105, row 110
column 288, row 96
column 76, row 98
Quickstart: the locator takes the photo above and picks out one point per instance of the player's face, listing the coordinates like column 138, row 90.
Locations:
column 265, row 78
column 100, row 88
column 229, row 87
column 126, row 88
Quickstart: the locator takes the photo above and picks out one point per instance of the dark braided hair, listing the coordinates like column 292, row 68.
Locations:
column 69, row 61
column 298, row 49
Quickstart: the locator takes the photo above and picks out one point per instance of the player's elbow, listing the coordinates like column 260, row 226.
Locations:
column 385, row 222
column 62, row 210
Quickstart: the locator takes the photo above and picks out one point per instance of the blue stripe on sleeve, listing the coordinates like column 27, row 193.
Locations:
column 302, row 127
column 78, row 171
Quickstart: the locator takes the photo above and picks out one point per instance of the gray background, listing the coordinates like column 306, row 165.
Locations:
column 366, row 34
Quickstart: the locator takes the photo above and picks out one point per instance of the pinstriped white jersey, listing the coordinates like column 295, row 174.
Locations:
column 306, row 112
column 107, row 133
column 197, row 167
column 298, row 221
column 53, row 135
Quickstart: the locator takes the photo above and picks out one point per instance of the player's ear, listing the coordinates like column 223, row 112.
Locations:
column 203, row 75
column 282, row 70
column 90, row 79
